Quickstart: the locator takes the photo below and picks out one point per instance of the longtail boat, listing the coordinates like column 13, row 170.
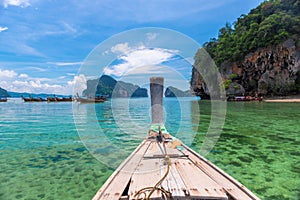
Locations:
column 3, row 99
column 100, row 99
column 57, row 99
column 162, row 167
column 244, row 98
column 31, row 99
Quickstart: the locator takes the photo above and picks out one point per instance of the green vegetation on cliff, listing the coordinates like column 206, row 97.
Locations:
column 271, row 23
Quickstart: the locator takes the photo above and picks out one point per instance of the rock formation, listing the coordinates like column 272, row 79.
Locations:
column 175, row 92
column 3, row 93
column 273, row 70
column 107, row 86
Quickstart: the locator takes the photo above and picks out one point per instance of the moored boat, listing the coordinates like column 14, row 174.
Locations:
column 64, row 99
column 3, row 99
column 32, row 99
column 244, row 98
column 99, row 99
column 57, row 99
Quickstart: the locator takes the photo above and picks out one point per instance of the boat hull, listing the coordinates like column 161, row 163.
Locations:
column 187, row 176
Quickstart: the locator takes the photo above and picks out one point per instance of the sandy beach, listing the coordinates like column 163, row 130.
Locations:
column 284, row 99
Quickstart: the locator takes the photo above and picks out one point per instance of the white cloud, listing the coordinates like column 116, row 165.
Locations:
column 36, row 69
column 20, row 3
column 26, row 49
column 61, row 28
column 23, row 76
column 6, row 74
column 78, row 84
column 65, row 63
column 131, row 58
column 141, row 76
column 121, row 48
column 69, row 28
column 3, row 28
column 12, row 81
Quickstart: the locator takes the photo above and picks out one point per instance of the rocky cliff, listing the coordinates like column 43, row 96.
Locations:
column 107, row 86
column 273, row 70
column 175, row 92
column 258, row 53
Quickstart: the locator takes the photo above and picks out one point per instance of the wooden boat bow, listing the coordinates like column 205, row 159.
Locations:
column 162, row 167
column 191, row 176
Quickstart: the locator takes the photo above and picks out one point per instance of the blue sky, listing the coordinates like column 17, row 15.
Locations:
column 44, row 42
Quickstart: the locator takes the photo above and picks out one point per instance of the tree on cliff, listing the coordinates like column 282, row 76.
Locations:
column 261, row 50
column 271, row 23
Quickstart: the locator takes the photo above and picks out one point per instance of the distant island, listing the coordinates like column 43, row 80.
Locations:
column 109, row 87
column 259, row 54
column 3, row 93
column 33, row 95
column 175, row 92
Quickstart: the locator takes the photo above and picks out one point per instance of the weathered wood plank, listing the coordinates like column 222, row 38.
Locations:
column 147, row 173
column 230, row 185
column 199, row 185
column 115, row 185
column 173, row 182
column 190, row 177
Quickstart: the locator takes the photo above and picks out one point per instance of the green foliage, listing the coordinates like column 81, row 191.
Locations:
column 270, row 23
column 236, row 87
column 226, row 83
column 233, row 76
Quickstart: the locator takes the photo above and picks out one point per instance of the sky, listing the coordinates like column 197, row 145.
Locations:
column 46, row 45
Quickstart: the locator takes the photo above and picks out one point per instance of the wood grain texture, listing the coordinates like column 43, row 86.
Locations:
column 190, row 177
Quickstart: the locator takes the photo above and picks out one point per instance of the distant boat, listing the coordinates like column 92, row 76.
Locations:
column 3, row 99
column 100, row 99
column 244, row 98
column 56, row 99
column 31, row 99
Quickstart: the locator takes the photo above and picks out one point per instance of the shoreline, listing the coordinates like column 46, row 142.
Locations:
column 283, row 99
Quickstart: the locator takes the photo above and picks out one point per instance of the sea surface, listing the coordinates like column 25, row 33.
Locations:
column 67, row 151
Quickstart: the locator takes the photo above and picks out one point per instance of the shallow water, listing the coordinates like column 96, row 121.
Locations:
column 43, row 157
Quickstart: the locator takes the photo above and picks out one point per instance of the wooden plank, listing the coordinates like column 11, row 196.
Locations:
column 173, row 183
column 146, row 175
column 189, row 177
column 115, row 185
column 153, row 149
column 199, row 185
column 230, row 185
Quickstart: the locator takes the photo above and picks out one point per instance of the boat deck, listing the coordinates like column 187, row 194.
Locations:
column 188, row 175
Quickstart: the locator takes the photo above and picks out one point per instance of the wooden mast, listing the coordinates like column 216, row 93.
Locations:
column 156, row 92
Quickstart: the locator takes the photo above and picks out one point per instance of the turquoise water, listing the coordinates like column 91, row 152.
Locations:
column 43, row 157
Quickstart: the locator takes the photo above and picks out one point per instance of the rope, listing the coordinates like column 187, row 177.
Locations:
column 164, row 192
column 156, row 186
